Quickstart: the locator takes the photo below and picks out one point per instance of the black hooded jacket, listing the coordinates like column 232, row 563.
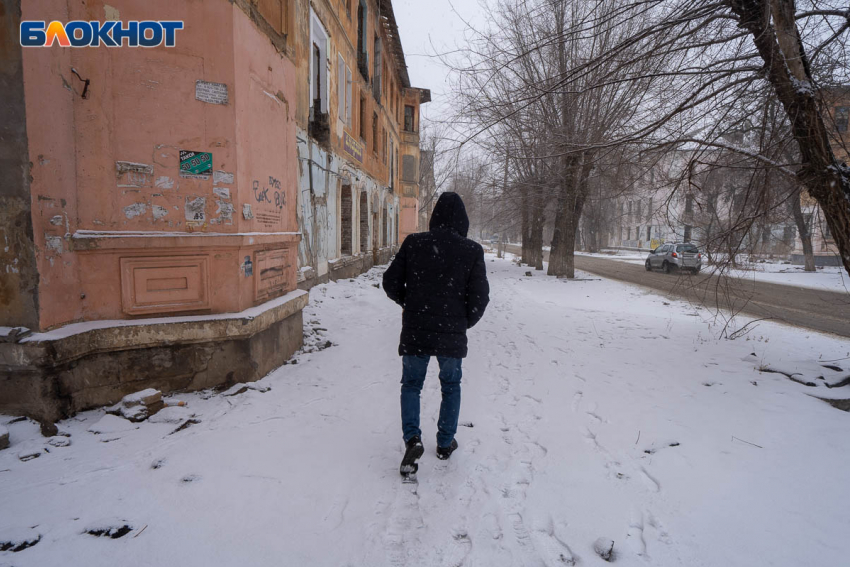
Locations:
column 440, row 280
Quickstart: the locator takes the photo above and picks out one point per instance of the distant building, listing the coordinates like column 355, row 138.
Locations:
column 647, row 215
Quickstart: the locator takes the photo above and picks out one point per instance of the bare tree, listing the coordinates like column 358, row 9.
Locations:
column 587, row 77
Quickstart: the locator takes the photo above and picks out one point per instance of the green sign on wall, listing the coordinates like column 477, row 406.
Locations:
column 195, row 163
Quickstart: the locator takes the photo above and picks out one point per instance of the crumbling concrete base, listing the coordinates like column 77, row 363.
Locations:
column 53, row 375
column 346, row 267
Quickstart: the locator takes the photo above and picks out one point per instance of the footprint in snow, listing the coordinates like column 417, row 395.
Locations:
column 634, row 535
column 577, row 400
column 650, row 481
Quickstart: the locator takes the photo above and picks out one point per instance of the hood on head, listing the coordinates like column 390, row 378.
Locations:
column 449, row 212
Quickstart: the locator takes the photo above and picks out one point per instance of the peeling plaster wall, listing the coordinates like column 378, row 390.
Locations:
column 318, row 207
column 111, row 161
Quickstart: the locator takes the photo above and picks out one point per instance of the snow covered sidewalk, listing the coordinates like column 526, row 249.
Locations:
column 591, row 409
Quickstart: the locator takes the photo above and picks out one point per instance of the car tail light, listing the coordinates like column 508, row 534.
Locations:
column 675, row 255
column 699, row 255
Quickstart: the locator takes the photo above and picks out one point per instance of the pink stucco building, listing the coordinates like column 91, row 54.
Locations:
column 148, row 203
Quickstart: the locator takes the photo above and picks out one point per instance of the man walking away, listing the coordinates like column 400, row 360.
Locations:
column 440, row 280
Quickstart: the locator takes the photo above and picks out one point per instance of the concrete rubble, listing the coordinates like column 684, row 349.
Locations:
column 139, row 406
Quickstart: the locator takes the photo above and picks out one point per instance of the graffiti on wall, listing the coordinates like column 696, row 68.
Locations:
column 270, row 200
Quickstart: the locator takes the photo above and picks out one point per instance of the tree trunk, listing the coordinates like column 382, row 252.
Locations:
column 570, row 206
column 826, row 178
column 803, row 231
column 563, row 237
column 538, row 220
column 526, row 227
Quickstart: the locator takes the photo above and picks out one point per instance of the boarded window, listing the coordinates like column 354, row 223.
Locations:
column 408, row 168
column 408, row 118
column 375, row 132
column 273, row 12
column 348, row 101
column 376, row 78
column 384, row 145
column 340, row 87
column 363, row 118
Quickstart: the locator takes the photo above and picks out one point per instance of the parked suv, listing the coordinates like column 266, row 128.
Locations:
column 676, row 256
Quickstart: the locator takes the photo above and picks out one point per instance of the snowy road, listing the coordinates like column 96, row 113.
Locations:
column 819, row 309
column 591, row 409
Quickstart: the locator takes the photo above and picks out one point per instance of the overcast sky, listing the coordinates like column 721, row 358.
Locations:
column 426, row 27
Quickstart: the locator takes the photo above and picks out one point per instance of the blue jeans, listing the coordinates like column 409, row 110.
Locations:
column 412, row 378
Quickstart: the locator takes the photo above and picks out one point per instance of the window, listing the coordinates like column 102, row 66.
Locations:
column 789, row 233
column 408, row 118
column 827, row 234
column 689, row 204
column 340, row 87
column 842, row 117
column 648, row 233
column 687, row 248
column 317, row 77
column 628, row 233
column 362, row 118
column 277, row 14
column 364, row 222
column 384, row 145
column 375, row 133
column 318, row 67
column 376, row 76
column 362, row 48
column 346, row 228
column 408, row 168
column 348, row 100
column 639, row 206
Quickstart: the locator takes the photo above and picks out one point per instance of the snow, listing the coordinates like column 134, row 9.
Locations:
column 138, row 397
column 18, row 538
column 111, row 424
column 593, row 411
column 172, row 414
column 829, row 278
column 812, row 373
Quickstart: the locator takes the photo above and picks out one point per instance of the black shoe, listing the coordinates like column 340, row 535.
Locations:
column 414, row 450
column 444, row 453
